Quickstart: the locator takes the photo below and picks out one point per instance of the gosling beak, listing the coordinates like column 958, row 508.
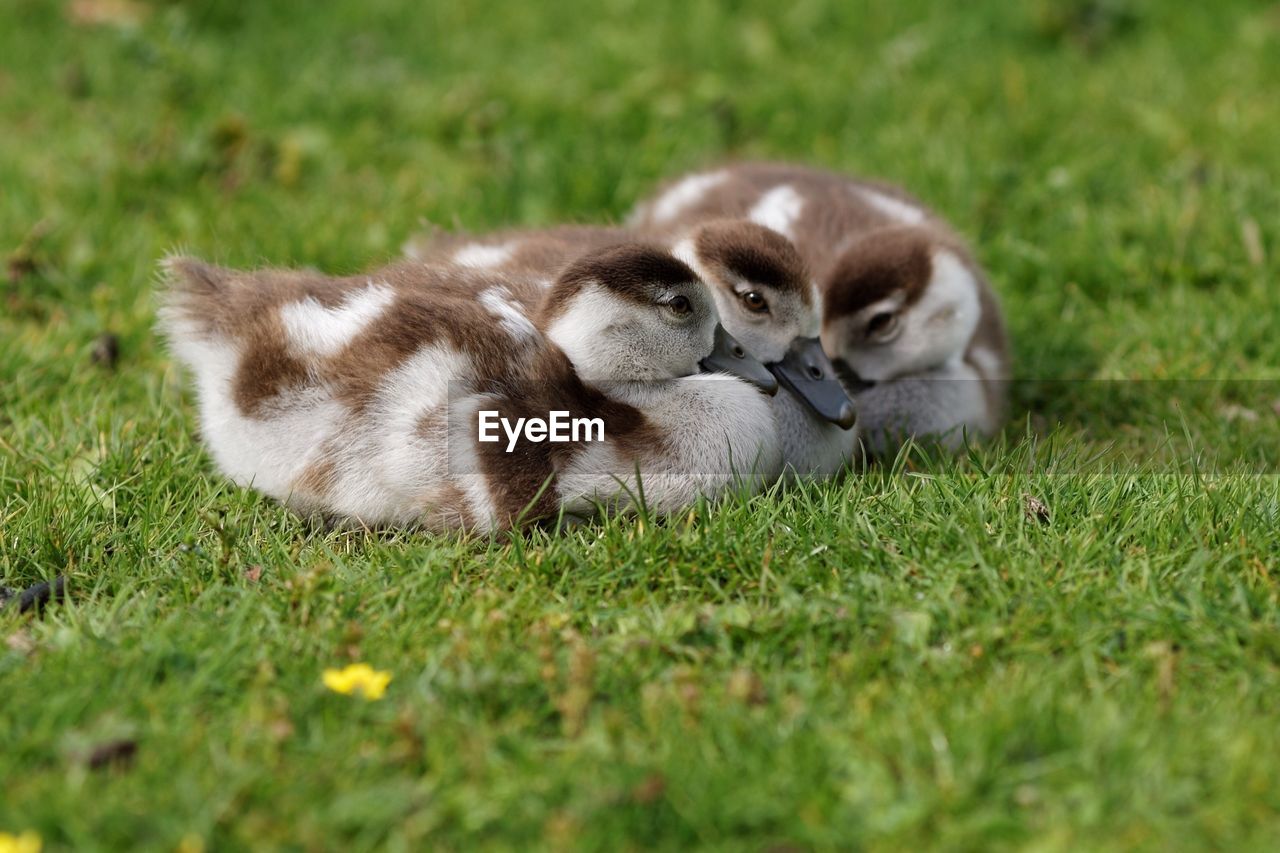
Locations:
column 852, row 382
column 729, row 356
column 807, row 372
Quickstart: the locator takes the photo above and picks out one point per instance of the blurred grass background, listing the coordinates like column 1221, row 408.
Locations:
column 904, row 659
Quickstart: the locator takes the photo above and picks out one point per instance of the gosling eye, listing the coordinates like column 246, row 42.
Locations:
column 755, row 302
column 882, row 324
column 680, row 305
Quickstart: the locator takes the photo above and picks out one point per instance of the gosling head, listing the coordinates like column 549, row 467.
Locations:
column 634, row 313
column 768, row 302
column 897, row 302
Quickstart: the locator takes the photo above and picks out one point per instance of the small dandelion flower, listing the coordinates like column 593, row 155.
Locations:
column 191, row 843
column 23, row 842
column 358, row 677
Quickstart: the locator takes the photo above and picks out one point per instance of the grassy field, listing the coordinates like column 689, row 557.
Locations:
column 905, row 659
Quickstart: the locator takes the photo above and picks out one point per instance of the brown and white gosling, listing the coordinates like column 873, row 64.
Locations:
column 765, row 297
column 364, row 397
column 904, row 304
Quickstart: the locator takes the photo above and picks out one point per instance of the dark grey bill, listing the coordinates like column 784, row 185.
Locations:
column 852, row 382
column 807, row 372
column 729, row 356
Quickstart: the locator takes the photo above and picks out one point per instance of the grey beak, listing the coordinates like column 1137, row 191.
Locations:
column 852, row 382
column 729, row 356
column 807, row 372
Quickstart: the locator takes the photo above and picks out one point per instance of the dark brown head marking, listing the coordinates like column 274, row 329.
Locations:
column 884, row 262
column 629, row 271
column 755, row 254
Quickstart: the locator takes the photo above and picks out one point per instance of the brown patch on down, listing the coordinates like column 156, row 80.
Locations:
column 316, row 482
column 755, row 254
column 522, row 483
column 409, row 323
column 266, row 370
column 883, row 263
column 629, row 271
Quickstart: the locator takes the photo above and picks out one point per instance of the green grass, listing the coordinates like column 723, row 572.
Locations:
column 903, row 659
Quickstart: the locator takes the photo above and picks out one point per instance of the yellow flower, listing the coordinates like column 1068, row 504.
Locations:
column 25, row 842
column 191, row 843
column 371, row 683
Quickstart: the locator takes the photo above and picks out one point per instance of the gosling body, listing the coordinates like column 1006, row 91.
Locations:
column 764, row 293
column 360, row 397
column 904, row 304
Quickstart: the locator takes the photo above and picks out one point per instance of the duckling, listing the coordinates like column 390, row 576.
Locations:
column 368, row 397
column 764, row 295
column 904, row 304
